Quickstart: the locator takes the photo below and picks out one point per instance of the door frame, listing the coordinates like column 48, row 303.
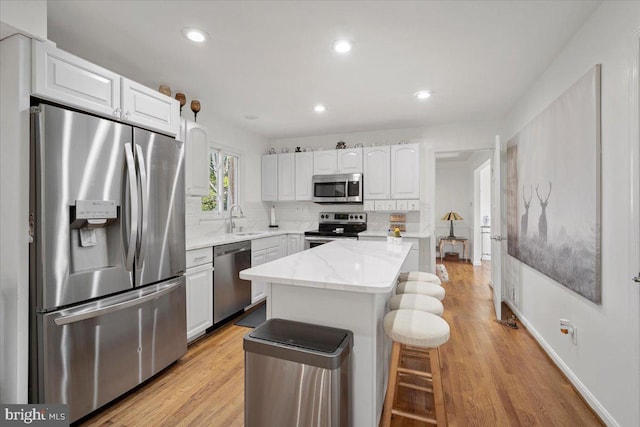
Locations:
column 634, row 226
column 431, row 187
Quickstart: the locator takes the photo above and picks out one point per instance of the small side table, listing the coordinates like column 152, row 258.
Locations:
column 453, row 241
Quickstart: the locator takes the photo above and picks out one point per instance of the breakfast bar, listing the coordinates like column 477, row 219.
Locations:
column 343, row 284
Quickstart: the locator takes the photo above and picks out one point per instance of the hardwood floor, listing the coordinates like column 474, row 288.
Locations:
column 492, row 375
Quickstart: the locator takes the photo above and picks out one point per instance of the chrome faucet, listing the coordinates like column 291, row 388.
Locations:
column 232, row 225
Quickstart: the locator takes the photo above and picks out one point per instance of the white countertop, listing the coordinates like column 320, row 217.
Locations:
column 348, row 265
column 204, row 240
column 384, row 234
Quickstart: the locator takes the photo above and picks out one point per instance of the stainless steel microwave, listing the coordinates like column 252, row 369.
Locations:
column 340, row 188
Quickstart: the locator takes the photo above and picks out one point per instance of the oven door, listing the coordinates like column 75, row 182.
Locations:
column 313, row 241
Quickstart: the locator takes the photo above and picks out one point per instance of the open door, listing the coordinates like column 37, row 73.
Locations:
column 497, row 251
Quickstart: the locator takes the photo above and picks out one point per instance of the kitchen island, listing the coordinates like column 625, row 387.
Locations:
column 343, row 284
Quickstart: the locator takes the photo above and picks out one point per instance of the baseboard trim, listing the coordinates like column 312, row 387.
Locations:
column 588, row 397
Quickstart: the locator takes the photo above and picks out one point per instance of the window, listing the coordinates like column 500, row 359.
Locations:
column 223, row 181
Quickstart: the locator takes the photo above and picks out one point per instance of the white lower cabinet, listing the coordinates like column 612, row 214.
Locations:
column 199, row 300
column 265, row 250
column 295, row 243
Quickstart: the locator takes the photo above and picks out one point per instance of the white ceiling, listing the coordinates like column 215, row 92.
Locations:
column 274, row 59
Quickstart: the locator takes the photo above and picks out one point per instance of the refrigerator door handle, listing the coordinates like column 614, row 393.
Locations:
column 133, row 201
column 84, row 315
column 144, row 191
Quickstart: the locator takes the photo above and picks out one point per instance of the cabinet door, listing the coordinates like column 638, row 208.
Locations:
column 325, row 162
column 62, row 77
column 258, row 288
column 350, row 160
column 273, row 253
column 405, row 171
column 294, row 243
column 199, row 300
column 196, row 163
column 376, row 173
column 269, row 178
column 304, row 174
column 286, row 176
column 149, row 108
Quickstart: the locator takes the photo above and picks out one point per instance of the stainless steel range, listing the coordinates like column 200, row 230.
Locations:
column 336, row 225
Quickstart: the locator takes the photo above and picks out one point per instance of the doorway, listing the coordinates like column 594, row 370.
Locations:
column 463, row 186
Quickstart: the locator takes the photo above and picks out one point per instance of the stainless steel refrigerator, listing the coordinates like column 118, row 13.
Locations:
column 107, row 259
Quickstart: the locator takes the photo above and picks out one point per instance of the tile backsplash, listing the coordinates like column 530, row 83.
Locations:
column 298, row 216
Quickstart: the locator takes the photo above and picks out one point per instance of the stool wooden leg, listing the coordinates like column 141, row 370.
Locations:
column 438, row 392
column 391, row 385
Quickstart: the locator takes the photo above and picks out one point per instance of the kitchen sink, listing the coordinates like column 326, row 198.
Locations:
column 250, row 233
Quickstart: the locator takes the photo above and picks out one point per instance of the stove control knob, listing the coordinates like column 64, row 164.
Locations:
column 360, row 216
column 350, row 216
column 321, row 216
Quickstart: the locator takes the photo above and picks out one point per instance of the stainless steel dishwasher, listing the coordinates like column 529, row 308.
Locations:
column 231, row 294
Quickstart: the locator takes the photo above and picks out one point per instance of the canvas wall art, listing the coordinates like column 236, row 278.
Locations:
column 553, row 190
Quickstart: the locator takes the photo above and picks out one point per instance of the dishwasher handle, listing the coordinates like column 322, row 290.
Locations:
column 231, row 248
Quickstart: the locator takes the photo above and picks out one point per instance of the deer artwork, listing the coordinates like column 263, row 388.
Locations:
column 524, row 221
column 542, row 222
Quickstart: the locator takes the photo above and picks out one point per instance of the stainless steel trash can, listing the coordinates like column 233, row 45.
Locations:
column 297, row 374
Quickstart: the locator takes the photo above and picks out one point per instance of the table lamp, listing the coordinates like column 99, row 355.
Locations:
column 451, row 216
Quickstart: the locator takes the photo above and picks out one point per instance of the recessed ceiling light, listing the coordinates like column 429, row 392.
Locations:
column 342, row 46
column 319, row 108
column 422, row 94
column 251, row 117
column 195, row 34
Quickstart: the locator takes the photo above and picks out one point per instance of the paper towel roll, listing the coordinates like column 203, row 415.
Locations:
column 273, row 216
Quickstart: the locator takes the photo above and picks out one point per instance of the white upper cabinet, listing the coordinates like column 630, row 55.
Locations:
column 376, row 173
column 349, row 160
column 304, row 173
column 149, row 108
column 60, row 76
column 286, row 176
column 270, row 178
column 405, row 171
column 325, row 162
column 196, row 165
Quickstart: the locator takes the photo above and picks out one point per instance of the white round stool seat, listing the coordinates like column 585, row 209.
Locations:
column 424, row 288
column 416, row 328
column 421, row 276
column 416, row 302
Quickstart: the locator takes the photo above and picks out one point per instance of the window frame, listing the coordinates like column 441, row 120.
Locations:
column 224, row 149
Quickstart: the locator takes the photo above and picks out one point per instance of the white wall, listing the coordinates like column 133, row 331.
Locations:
column 603, row 365
column 24, row 17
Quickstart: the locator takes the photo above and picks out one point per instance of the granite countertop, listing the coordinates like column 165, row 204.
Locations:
column 204, row 240
column 348, row 265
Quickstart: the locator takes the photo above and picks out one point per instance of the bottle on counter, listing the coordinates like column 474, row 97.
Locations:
column 389, row 236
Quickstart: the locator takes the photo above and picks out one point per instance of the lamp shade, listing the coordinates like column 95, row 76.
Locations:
column 451, row 216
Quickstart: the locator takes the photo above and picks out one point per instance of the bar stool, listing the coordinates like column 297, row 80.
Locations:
column 421, row 276
column 423, row 330
column 416, row 302
column 424, row 288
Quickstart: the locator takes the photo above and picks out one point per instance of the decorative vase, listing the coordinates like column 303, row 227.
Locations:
column 195, row 107
column 183, row 100
column 165, row 90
